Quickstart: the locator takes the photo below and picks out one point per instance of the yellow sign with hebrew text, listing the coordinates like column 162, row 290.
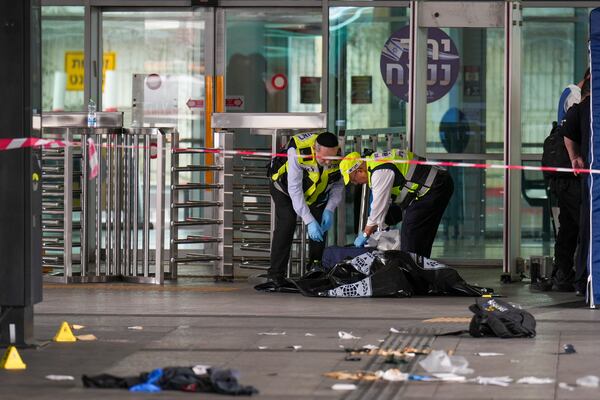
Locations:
column 74, row 68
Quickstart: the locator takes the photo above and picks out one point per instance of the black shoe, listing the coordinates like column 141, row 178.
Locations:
column 277, row 284
column 543, row 285
column 314, row 266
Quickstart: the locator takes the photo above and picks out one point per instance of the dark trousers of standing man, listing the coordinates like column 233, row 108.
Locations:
column 568, row 193
column 422, row 217
column 283, row 235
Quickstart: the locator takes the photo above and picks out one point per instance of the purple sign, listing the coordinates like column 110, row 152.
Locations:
column 443, row 63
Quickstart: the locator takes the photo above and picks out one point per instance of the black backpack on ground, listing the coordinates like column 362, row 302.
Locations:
column 555, row 154
column 495, row 317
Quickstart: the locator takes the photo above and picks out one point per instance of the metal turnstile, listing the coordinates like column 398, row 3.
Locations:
column 66, row 194
column 101, row 230
column 202, row 209
column 253, row 210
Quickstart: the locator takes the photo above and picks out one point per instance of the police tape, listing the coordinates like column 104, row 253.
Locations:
column 21, row 143
column 391, row 160
column 12, row 144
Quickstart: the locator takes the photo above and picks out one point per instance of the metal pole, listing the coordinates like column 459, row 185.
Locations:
column 99, row 180
column 68, row 207
column 127, row 208
column 109, row 205
column 118, row 202
column 174, row 212
column 160, row 208
column 83, row 220
column 146, row 235
column 136, row 187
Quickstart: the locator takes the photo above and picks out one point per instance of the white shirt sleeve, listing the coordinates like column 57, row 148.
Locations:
column 335, row 195
column 294, row 178
column 382, row 182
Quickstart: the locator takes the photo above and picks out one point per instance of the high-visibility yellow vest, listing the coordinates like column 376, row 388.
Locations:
column 317, row 180
column 411, row 181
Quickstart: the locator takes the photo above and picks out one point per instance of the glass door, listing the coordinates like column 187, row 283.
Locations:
column 365, row 96
column 465, row 122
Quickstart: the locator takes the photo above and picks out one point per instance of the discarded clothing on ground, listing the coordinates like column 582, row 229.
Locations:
column 187, row 379
column 382, row 274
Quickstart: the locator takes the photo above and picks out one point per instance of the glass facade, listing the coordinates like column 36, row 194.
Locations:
column 273, row 62
column 62, row 58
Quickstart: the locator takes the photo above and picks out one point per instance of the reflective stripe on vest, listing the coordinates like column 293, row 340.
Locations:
column 407, row 171
column 304, row 144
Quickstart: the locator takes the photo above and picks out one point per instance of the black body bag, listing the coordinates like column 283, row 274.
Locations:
column 498, row 318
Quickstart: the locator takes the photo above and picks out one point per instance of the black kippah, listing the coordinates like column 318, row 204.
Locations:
column 327, row 139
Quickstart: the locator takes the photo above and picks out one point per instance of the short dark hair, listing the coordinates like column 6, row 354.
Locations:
column 327, row 139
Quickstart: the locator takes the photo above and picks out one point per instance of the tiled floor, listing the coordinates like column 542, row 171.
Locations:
column 198, row 322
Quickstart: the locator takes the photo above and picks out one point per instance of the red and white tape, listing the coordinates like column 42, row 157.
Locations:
column 11, row 144
column 21, row 143
column 418, row 162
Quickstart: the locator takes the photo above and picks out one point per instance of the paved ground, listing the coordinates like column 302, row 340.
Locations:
column 219, row 324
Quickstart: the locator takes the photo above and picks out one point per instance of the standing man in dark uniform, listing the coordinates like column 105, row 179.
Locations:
column 307, row 184
column 576, row 132
column 421, row 192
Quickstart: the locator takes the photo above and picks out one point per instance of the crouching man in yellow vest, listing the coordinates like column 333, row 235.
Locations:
column 304, row 184
column 420, row 192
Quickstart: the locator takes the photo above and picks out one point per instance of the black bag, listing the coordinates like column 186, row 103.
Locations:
column 499, row 318
column 555, row 154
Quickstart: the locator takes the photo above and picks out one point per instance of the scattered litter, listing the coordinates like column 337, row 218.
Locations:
column 86, row 338
column 352, row 376
column 60, row 377
column 492, row 380
column 381, row 340
column 346, row 335
column 309, row 334
column 263, row 347
column 344, row 386
column 569, row 348
column 448, row 377
column 590, row 381
column 566, row 386
column 350, row 357
column 515, row 361
column 135, row 328
column 422, row 378
column 488, row 354
column 370, row 347
column 271, row 333
column 532, row 380
column 76, row 327
column 394, row 375
column 295, row 347
column 394, row 330
column 440, row 361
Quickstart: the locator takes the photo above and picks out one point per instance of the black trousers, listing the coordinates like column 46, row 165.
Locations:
column 285, row 225
column 568, row 193
column 422, row 217
column 581, row 271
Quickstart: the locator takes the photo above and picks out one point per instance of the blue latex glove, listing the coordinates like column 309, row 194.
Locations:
column 314, row 232
column 360, row 240
column 326, row 220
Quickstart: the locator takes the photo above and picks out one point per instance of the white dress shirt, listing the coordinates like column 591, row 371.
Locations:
column 382, row 182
